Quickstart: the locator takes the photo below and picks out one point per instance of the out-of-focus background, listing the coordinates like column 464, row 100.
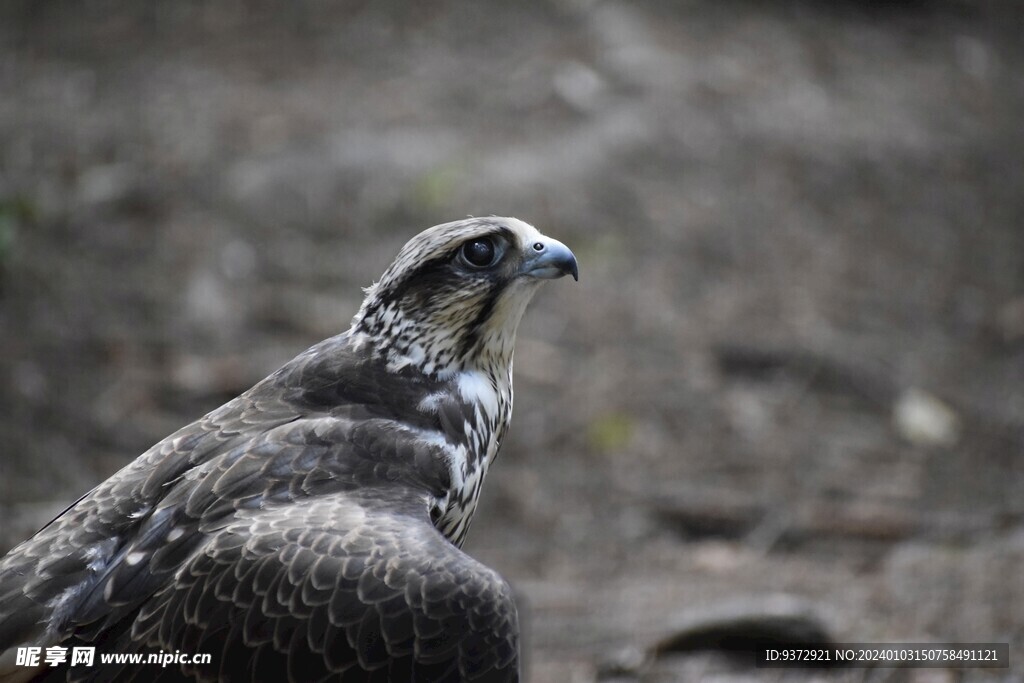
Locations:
column 786, row 398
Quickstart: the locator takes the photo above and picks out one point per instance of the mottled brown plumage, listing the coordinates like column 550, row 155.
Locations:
column 310, row 528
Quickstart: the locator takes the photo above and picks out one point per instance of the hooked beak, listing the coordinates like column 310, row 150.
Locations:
column 548, row 259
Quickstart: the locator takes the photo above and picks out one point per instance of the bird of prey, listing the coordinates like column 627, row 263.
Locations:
column 310, row 529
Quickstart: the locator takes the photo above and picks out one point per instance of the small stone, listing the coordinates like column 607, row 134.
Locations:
column 923, row 419
column 717, row 557
column 625, row 661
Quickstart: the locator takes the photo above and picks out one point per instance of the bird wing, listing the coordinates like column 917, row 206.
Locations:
column 287, row 531
column 47, row 577
column 359, row 584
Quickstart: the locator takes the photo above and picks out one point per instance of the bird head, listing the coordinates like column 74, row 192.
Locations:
column 453, row 297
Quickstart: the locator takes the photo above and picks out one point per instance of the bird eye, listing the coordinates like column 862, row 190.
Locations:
column 479, row 253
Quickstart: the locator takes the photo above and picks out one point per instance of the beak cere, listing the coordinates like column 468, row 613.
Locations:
column 548, row 259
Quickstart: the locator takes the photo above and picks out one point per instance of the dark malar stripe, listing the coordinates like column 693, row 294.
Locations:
column 472, row 336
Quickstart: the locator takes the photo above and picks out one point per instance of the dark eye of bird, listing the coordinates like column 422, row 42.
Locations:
column 479, row 253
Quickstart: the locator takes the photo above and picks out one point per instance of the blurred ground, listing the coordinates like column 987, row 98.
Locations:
column 790, row 381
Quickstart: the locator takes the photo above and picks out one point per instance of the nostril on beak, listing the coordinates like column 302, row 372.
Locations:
column 549, row 259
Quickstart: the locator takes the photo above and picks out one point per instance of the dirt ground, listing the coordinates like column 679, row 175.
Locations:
column 786, row 396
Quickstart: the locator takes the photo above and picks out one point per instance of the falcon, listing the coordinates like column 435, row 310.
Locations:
column 311, row 528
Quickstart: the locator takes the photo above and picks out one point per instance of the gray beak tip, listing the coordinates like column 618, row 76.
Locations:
column 551, row 259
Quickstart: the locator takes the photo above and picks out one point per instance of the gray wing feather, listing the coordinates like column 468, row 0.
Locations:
column 360, row 587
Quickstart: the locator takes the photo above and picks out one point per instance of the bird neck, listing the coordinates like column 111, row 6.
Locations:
column 442, row 342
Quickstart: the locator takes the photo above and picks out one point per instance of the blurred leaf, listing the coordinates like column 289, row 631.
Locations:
column 610, row 432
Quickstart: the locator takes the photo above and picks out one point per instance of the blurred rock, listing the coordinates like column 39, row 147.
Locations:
column 621, row 663
column 708, row 514
column 925, row 420
column 579, row 86
column 742, row 627
column 107, row 183
column 719, row 557
column 864, row 520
